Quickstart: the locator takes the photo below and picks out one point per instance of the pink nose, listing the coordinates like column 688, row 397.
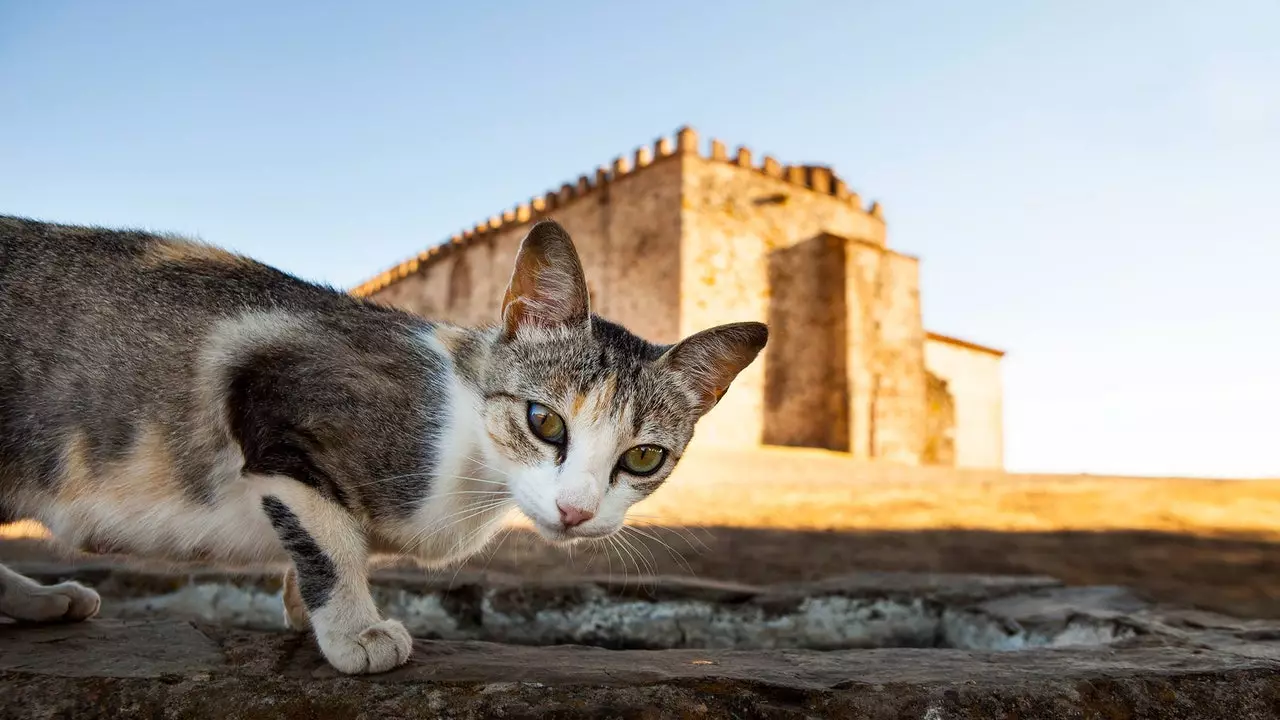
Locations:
column 572, row 516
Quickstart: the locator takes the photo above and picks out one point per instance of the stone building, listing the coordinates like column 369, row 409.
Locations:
column 675, row 239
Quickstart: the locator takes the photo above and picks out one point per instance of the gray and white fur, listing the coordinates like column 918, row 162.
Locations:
column 168, row 399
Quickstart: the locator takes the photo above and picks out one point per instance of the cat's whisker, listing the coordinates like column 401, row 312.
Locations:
column 650, row 567
column 680, row 559
column 415, row 542
column 686, row 533
column 643, row 548
column 485, row 465
column 480, row 480
column 631, row 552
column 454, row 493
column 674, row 556
column 500, row 498
column 376, row 481
column 637, row 559
column 653, row 535
column 417, row 538
column 429, row 476
column 479, row 508
column 591, row 557
column 609, row 556
column 482, row 464
column 462, row 542
column 626, row 575
column 506, row 533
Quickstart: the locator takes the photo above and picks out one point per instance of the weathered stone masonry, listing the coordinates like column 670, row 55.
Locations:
column 674, row 241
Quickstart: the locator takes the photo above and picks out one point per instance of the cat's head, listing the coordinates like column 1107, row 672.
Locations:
column 588, row 417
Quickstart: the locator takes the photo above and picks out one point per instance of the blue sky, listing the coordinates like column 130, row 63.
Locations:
column 1094, row 186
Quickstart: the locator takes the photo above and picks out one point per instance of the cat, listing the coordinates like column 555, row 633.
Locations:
column 165, row 398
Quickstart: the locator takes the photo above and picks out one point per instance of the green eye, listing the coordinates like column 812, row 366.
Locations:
column 546, row 423
column 642, row 459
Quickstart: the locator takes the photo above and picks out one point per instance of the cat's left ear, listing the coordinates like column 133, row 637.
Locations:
column 709, row 360
column 547, row 288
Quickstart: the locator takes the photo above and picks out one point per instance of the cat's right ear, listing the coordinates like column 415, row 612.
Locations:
column 547, row 288
column 710, row 360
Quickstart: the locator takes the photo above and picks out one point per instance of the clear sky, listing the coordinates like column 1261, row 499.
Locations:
column 1093, row 185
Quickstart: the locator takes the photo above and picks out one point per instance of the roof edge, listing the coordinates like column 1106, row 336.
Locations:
column 951, row 340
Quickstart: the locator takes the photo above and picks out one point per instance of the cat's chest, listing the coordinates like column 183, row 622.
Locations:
column 452, row 523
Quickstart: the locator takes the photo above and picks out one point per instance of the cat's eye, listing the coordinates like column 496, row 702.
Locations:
column 546, row 423
column 642, row 460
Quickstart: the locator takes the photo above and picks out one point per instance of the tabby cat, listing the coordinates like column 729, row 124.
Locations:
column 165, row 398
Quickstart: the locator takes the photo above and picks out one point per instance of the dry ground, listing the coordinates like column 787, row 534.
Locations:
column 788, row 515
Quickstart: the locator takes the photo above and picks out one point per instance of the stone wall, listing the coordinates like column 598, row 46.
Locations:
column 972, row 375
column 940, row 423
column 742, row 223
column 886, row 358
column 807, row 379
column 626, row 226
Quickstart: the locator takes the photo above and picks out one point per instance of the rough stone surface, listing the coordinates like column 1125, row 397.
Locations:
column 886, row 351
column 983, row 647
column 173, row 669
column 867, row 610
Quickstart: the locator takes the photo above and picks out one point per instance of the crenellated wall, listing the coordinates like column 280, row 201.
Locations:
column 819, row 181
column 678, row 237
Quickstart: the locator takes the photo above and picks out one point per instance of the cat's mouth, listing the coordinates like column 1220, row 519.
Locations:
column 560, row 535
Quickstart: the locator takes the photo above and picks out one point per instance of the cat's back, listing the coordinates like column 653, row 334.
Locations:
column 51, row 267
column 84, row 303
column 103, row 333
column 38, row 258
column 106, row 282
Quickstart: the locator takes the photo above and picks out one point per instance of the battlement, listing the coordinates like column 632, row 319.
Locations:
column 815, row 178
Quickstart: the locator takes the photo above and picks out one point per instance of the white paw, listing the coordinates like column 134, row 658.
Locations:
column 378, row 648
column 65, row 602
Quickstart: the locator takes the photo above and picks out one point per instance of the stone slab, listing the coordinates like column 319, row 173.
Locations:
column 171, row 669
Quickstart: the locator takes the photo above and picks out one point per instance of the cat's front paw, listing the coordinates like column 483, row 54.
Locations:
column 378, row 648
column 64, row 602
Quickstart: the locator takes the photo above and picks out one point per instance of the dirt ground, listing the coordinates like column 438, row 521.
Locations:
column 799, row 515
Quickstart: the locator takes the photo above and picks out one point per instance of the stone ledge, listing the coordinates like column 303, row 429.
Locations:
column 170, row 669
column 862, row 610
column 176, row 644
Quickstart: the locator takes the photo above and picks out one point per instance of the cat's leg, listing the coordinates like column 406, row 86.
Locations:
column 330, row 556
column 22, row 598
column 295, row 611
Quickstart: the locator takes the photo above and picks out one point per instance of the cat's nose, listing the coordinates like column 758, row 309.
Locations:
column 572, row 516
